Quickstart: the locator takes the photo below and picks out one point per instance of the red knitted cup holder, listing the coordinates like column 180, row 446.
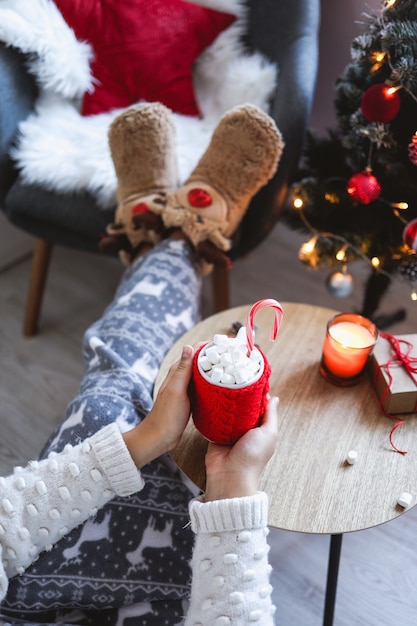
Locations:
column 223, row 413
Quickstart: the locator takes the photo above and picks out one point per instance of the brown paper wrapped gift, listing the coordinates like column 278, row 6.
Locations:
column 398, row 395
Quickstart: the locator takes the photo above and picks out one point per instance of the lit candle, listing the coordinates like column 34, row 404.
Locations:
column 348, row 343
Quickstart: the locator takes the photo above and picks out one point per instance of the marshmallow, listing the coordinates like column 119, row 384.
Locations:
column 205, row 363
column 242, row 375
column 255, row 355
column 226, row 360
column 241, row 335
column 227, row 379
column 352, row 457
column 213, row 355
column 405, row 499
column 220, row 340
column 216, row 374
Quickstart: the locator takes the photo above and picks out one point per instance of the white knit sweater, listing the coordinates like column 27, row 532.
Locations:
column 45, row 500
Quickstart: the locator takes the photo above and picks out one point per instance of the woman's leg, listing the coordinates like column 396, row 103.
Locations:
column 134, row 550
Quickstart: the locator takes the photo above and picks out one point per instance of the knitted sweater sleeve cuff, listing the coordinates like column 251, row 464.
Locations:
column 113, row 456
column 232, row 514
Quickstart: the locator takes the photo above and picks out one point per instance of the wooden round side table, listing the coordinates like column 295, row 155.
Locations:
column 311, row 487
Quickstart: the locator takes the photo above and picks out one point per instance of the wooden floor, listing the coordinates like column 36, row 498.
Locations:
column 378, row 573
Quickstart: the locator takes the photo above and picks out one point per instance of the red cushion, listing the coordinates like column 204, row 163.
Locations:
column 144, row 49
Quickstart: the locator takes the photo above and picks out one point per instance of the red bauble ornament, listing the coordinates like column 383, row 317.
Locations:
column 380, row 103
column 410, row 234
column 200, row 198
column 412, row 149
column 364, row 187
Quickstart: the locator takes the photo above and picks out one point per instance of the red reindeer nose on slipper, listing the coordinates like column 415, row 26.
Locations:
column 199, row 198
column 142, row 207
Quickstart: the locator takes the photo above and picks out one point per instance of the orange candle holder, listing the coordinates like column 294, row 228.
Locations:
column 349, row 341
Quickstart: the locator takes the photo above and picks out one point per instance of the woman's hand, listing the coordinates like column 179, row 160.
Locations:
column 161, row 430
column 234, row 471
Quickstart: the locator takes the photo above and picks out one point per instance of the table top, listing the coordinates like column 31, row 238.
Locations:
column 310, row 486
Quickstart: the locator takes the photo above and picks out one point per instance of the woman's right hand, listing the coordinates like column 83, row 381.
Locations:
column 234, row 471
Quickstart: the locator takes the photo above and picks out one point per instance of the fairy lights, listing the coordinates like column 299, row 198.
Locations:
column 298, row 202
column 323, row 246
column 341, row 254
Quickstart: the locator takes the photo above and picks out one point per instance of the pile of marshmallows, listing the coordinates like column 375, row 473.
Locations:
column 225, row 360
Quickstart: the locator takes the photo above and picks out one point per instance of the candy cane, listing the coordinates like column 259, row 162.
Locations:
column 261, row 304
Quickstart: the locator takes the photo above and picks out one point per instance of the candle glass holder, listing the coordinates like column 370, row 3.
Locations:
column 349, row 340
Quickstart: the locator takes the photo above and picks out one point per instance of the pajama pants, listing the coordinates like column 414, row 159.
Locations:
column 129, row 564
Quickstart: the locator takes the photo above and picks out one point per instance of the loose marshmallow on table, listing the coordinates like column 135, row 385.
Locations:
column 226, row 361
column 352, row 457
column 405, row 499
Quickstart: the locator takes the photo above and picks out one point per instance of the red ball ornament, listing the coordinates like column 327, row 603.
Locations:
column 410, row 234
column 380, row 103
column 364, row 187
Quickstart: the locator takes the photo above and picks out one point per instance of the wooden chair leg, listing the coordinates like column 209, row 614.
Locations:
column 220, row 289
column 40, row 265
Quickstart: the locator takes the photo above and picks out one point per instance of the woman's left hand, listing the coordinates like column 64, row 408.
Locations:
column 161, row 430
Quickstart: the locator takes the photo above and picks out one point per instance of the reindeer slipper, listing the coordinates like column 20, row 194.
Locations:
column 242, row 156
column 142, row 146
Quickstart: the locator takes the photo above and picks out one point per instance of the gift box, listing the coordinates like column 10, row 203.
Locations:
column 393, row 368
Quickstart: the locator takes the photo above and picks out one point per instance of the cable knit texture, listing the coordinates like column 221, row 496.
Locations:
column 230, row 563
column 223, row 414
column 42, row 502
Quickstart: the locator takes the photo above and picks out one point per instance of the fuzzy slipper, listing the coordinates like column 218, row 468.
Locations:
column 142, row 146
column 243, row 155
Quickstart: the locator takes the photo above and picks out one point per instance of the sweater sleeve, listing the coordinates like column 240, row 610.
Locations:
column 230, row 566
column 42, row 502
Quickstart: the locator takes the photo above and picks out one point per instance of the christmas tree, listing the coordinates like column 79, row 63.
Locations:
column 356, row 193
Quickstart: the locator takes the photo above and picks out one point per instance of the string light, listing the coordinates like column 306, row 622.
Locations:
column 414, row 295
column 298, row 202
column 399, row 205
column 341, row 254
column 308, row 247
column 375, row 262
column 378, row 58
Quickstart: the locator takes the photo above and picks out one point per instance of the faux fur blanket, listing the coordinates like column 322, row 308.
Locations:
column 64, row 151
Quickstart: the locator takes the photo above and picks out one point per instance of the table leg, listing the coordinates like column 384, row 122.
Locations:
column 332, row 573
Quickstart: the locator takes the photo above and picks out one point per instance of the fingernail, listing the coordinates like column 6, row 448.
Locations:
column 187, row 352
column 275, row 400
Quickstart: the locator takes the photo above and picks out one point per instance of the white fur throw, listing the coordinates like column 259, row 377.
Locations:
column 64, row 151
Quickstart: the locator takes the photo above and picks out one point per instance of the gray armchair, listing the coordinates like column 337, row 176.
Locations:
column 285, row 32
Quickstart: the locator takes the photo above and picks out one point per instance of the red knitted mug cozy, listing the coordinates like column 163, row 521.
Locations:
column 223, row 414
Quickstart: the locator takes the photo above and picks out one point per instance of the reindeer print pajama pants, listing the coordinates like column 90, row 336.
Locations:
column 129, row 564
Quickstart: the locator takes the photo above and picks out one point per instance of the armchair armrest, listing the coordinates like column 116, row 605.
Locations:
column 286, row 33
column 18, row 93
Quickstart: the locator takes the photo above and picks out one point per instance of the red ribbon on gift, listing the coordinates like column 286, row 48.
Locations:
column 409, row 363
